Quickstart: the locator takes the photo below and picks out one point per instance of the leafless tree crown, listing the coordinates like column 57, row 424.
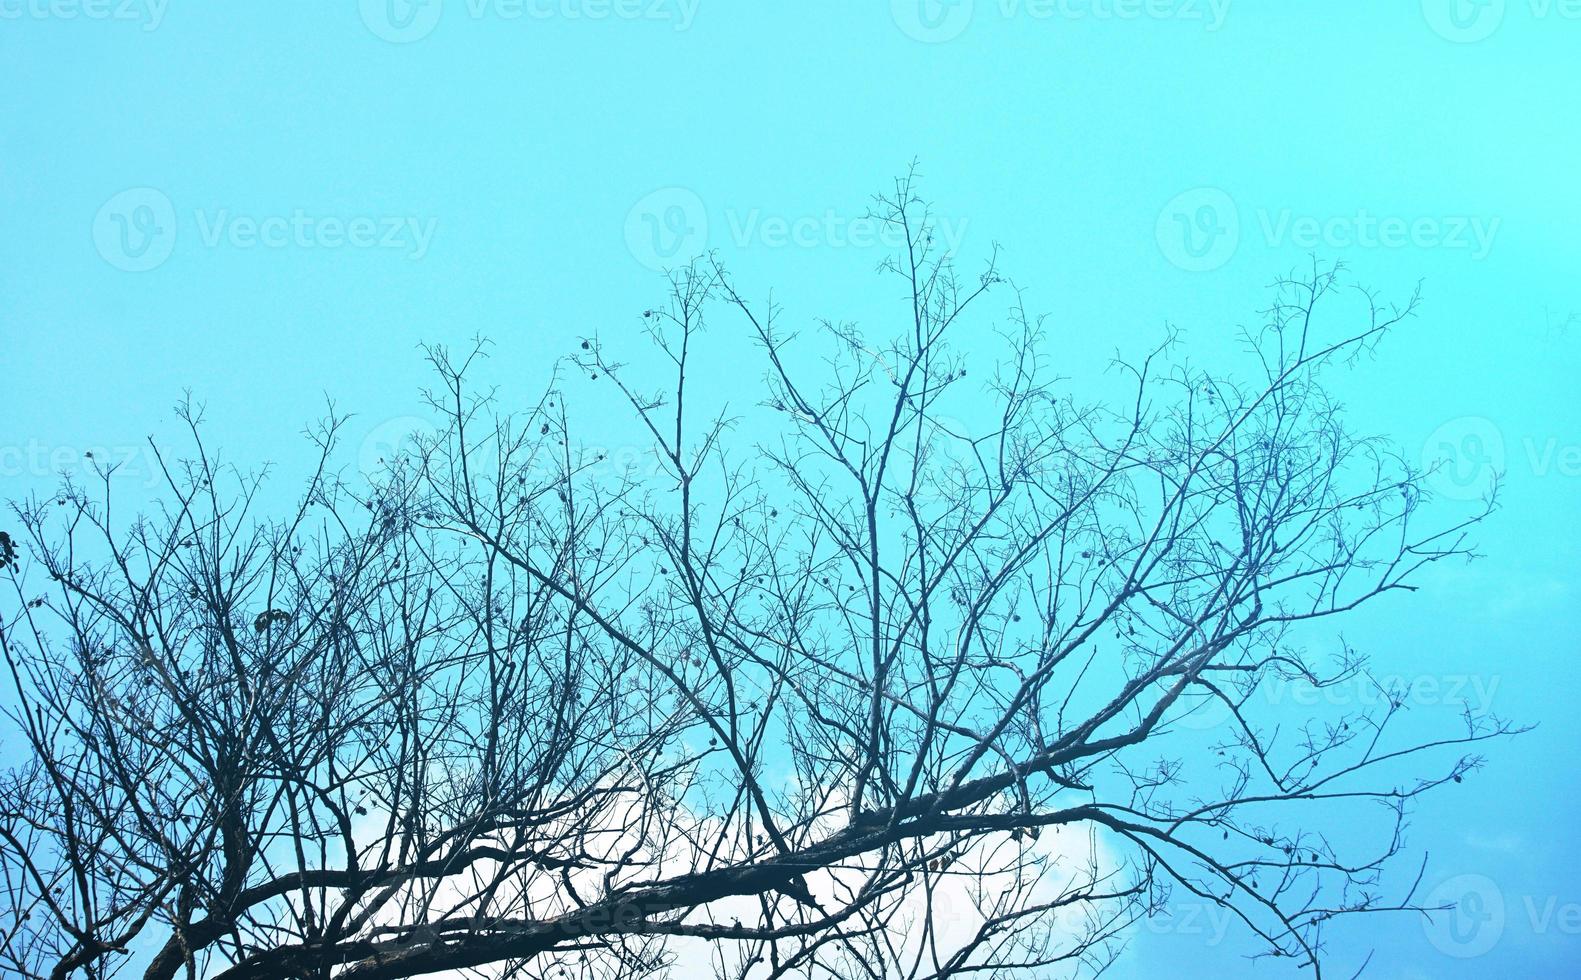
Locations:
column 903, row 682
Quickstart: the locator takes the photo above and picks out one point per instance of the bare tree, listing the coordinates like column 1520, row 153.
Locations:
column 902, row 690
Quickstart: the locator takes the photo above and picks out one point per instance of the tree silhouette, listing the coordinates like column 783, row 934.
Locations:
column 883, row 693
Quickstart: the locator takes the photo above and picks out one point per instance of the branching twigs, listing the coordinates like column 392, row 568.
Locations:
column 906, row 685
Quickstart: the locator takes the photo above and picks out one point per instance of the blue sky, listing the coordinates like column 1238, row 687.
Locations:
column 269, row 203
